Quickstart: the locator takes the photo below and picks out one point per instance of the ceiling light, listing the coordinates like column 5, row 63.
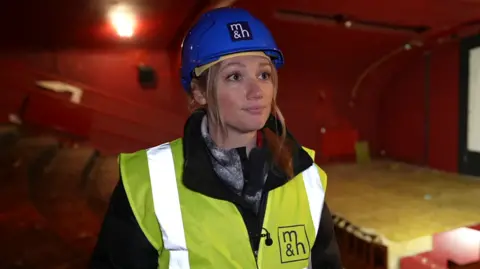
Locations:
column 123, row 20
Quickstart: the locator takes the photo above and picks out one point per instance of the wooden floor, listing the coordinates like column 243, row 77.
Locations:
column 402, row 202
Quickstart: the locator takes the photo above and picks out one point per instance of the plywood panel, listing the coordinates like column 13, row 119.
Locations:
column 402, row 202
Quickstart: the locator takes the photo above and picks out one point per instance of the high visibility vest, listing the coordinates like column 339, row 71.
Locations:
column 192, row 230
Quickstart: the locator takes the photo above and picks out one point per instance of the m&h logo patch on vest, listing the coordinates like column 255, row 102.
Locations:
column 293, row 243
column 239, row 31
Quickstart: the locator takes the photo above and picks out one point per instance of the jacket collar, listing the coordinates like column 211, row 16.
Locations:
column 198, row 173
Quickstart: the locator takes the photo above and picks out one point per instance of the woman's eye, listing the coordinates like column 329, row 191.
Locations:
column 265, row 75
column 234, row 77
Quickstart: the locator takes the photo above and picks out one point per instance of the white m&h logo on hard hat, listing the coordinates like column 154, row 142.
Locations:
column 239, row 31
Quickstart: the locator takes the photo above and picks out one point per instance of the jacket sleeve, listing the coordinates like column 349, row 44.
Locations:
column 121, row 242
column 325, row 251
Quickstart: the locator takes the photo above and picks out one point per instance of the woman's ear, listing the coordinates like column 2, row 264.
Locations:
column 198, row 95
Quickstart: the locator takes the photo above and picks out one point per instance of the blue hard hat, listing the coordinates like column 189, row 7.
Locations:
column 221, row 32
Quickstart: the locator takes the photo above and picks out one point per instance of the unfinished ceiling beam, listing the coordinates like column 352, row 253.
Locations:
column 346, row 21
column 221, row 3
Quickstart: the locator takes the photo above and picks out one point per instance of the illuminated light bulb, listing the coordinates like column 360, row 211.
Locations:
column 123, row 20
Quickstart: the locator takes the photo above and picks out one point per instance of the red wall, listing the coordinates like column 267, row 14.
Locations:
column 119, row 116
column 116, row 114
column 402, row 115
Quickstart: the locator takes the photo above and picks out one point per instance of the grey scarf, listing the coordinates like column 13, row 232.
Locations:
column 228, row 166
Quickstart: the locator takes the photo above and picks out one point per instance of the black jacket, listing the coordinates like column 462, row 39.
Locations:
column 122, row 244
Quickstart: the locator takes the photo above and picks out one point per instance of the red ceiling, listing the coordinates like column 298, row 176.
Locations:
column 59, row 23
column 431, row 13
column 56, row 24
column 75, row 23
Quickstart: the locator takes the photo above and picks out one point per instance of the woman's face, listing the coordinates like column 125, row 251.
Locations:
column 245, row 92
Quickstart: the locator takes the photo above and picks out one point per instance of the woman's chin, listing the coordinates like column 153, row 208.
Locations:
column 254, row 124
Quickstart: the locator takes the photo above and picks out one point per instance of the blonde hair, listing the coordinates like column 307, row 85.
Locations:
column 279, row 145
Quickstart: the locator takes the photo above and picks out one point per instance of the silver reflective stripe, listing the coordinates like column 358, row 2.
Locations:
column 167, row 204
column 315, row 193
column 316, row 197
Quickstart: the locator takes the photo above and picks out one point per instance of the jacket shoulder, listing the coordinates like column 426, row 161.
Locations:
column 127, row 157
column 322, row 173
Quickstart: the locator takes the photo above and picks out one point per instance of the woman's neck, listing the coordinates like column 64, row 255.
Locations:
column 234, row 139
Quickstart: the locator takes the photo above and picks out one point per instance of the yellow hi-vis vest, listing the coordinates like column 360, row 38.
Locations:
column 193, row 231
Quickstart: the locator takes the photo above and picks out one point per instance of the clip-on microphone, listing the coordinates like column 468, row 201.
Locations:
column 268, row 240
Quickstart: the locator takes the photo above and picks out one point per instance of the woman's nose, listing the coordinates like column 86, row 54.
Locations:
column 254, row 90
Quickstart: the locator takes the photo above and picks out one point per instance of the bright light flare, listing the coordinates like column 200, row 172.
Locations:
column 123, row 20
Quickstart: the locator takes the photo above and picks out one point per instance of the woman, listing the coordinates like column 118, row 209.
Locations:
column 237, row 191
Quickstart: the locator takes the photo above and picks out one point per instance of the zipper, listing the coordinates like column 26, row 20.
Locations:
column 261, row 213
column 255, row 253
column 262, row 210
